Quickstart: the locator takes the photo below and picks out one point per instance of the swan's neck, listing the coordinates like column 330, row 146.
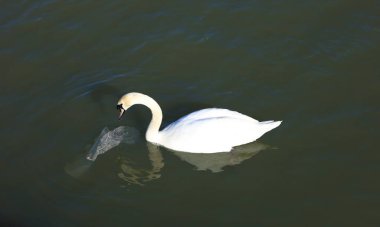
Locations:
column 154, row 125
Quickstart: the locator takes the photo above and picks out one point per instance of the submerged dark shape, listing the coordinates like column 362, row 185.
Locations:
column 110, row 139
column 107, row 140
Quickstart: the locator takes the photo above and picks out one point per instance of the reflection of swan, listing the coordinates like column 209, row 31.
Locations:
column 135, row 174
column 204, row 131
column 139, row 176
column 216, row 161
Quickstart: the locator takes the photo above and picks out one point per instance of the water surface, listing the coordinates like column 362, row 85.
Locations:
column 312, row 64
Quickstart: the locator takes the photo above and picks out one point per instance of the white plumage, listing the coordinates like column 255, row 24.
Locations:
column 205, row 131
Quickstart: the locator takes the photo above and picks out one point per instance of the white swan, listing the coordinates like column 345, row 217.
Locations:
column 204, row 131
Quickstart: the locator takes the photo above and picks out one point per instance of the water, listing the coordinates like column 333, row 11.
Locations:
column 312, row 64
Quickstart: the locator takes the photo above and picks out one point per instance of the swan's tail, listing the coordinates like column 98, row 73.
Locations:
column 269, row 125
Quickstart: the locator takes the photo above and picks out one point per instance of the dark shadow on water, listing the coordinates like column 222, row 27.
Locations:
column 79, row 166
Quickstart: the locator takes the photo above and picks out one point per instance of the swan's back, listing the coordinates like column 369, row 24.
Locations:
column 214, row 113
column 213, row 130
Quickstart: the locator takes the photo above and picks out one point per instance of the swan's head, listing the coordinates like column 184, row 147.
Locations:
column 123, row 104
column 127, row 101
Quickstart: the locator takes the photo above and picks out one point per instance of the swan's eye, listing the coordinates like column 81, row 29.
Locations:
column 119, row 107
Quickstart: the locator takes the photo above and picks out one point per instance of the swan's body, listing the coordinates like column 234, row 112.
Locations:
column 205, row 131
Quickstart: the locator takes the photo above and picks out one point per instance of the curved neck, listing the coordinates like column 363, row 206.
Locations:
column 154, row 125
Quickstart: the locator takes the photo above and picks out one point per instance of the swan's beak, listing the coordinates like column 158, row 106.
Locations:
column 121, row 113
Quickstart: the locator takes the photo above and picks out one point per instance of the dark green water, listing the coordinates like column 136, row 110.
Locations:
column 312, row 64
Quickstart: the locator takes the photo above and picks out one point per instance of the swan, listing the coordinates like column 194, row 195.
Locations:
column 209, row 130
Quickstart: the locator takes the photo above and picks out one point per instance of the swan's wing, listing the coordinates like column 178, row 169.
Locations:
column 210, row 134
column 214, row 113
